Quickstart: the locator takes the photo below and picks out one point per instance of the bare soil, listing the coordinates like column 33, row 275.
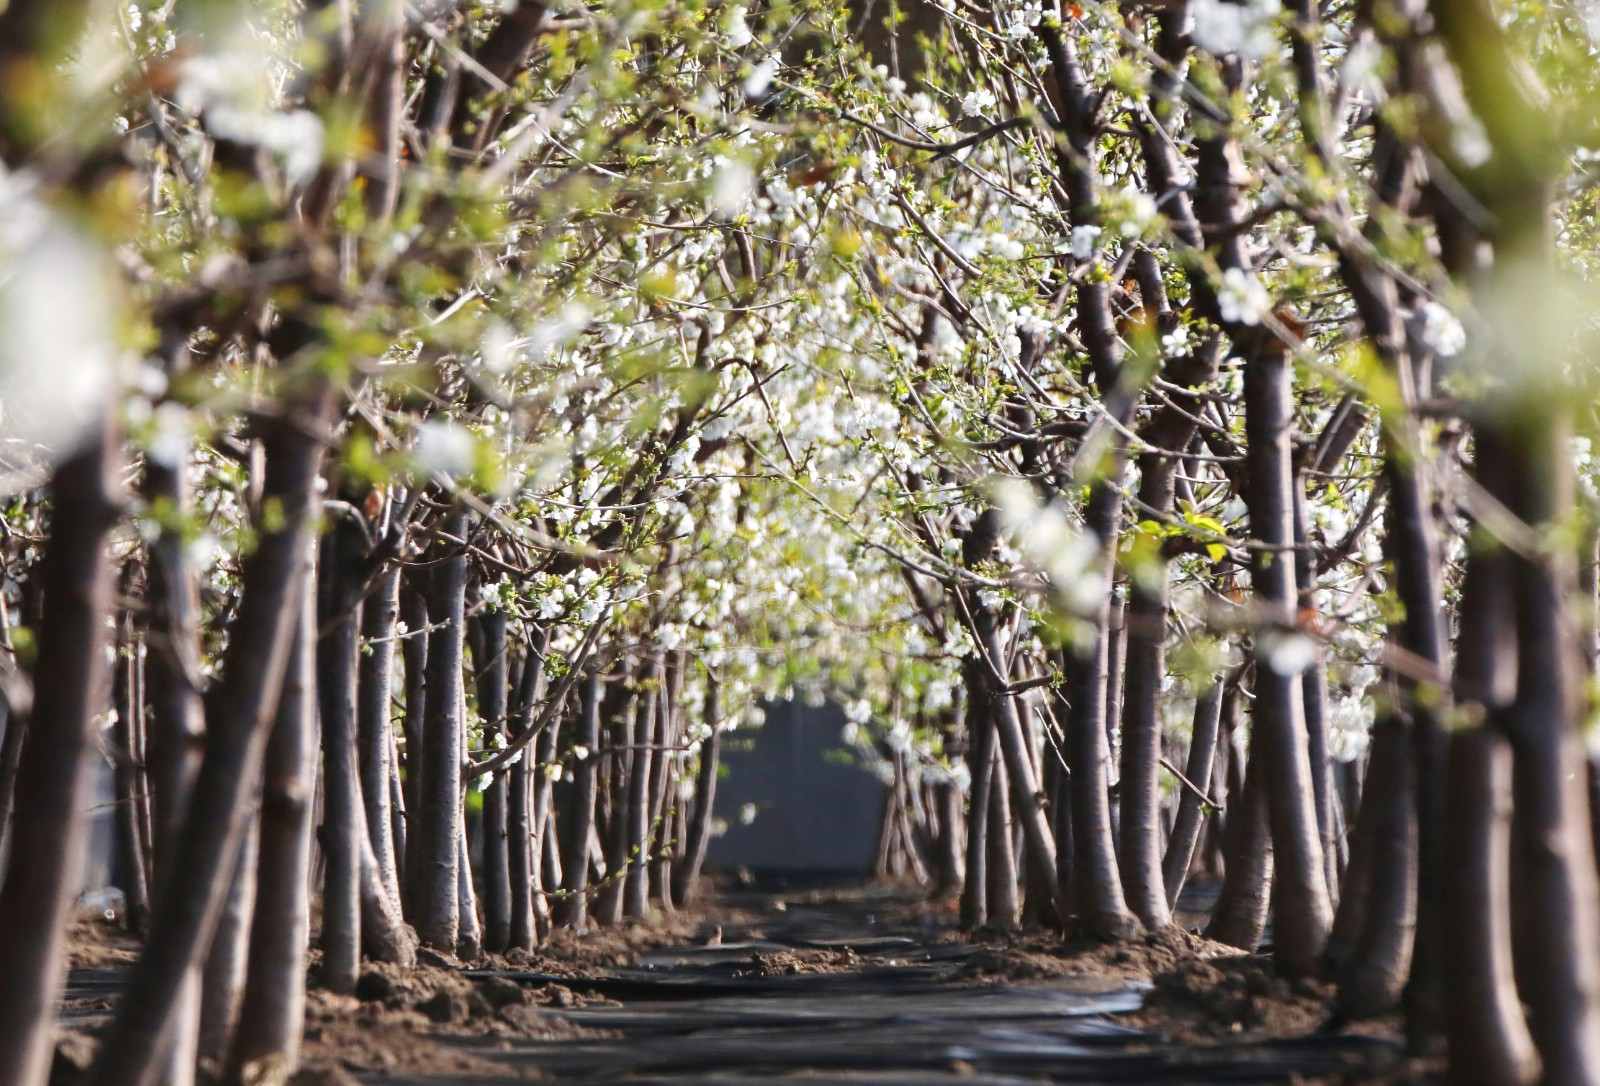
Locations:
column 449, row 1019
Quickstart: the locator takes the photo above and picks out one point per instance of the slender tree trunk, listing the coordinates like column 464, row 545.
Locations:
column 414, row 654
column 129, row 783
column 1375, row 974
column 490, row 664
column 980, row 753
column 437, row 852
column 1116, row 662
column 1097, row 887
column 1027, row 799
column 1240, row 918
column 1139, row 852
column 1486, row 1033
column 238, row 718
column 272, row 1013
column 71, row 682
column 385, row 935
column 614, row 826
column 176, row 715
column 663, row 780
column 636, row 897
column 538, row 764
column 397, row 818
column 1301, row 905
column 223, row 978
column 343, row 812
column 1314, row 695
column 16, row 730
column 469, row 940
column 573, row 911
column 1558, row 968
column 686, row 882
column 1216, row 701
column 374, row 728
column 522, row 868
column 1002, row 864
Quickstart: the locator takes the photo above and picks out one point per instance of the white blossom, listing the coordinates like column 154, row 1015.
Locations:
column 1245, row 28
column 1243, row 299
column 1084, row 240
column 759, row 81
column 1442, row 331
column 443, row 448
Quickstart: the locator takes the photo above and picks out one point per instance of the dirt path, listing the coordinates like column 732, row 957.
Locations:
column 838, row 986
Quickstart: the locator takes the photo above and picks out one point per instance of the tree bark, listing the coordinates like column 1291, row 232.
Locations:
column 223, row 978
column 1216, row 701
column 374, row 727
column 1486, row 1033
column 980, row 754
column 636, row 885
column 176, row 713
column 49, row 829
column 686, row 880
column 1301, row 906
column 238, row 718
column 436, row 864
column 1375, row 974
column 343, row 812
column 1240, row 918
column 522, row 869
column 272, row 1013
column 1027, row 798
column 573, row 910
column 414, row 655
column 129, row 783
column 1001, row 892
column 490, row 665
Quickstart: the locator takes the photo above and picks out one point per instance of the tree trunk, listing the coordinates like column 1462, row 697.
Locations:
column 238, row 719
column 1374, row 976
column 1314, row 696
column 469, row 938
column 1486, row 1033
column 1301, row 906
column 272, row 1014
column 490, row 664
column 1027, row 800
column 414, row 654
column 636, row 896
column 49, row 829
column 1240, row 918
column 686, row 880
column 573, row 911
column 522, row 866
column 1558, row 966
column 980, row 754
column 1139, row 851
column 374, row 727
column 436, row 859
column 176, row 714
column 129, row 785
column 1218, row 700
column 343, row 812
column 385, row 935
column 1001, row 892
column 223, row 979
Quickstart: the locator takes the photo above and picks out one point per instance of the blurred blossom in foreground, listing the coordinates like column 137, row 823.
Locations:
column 1221, row 28
column 57, row 337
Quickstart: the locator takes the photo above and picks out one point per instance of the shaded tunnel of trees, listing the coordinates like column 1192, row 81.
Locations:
column 1163, row 428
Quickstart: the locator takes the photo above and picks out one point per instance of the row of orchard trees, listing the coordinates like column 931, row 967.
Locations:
column 384, row 394
column 1129, row 410
column 1263, row 330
